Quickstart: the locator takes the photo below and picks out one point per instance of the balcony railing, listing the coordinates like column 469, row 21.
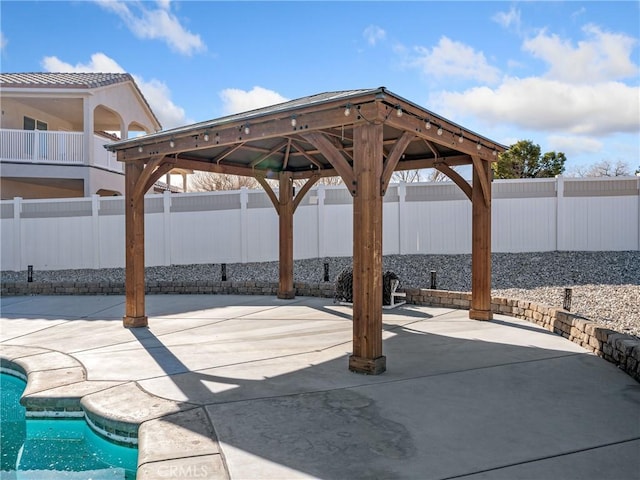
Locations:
column 57, row 148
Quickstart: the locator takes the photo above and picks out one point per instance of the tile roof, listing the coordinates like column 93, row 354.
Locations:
column 62, row 80
column 69, row 80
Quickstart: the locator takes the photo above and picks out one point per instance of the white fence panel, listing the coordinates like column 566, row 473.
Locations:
column 111, row 241
column 57, row 243
column 262, row 234
column 305, row 232
column 390, row 229
column 602, row 223
column 523, row 225
column 7, row 246
column 242, row 226
column 338, row 233
column 437, row 227
column 206, row 237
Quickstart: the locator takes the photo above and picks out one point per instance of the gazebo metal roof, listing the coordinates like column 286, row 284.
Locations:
column 277, row 138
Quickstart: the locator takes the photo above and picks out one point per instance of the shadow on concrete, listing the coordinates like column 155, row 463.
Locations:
column 448, row 407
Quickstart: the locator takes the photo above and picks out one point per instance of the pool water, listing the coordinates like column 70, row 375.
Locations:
column 55, row 449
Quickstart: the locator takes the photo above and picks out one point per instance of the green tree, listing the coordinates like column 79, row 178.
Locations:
column 524, row 160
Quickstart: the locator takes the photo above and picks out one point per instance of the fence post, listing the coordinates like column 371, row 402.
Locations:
column 166, row 222
column 320, row 226
column 95, row 229
column 17, row 233
column 402, row 193
column 560, row 214
column 244, row 225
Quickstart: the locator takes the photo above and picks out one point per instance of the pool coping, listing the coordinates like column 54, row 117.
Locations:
column 170, row 436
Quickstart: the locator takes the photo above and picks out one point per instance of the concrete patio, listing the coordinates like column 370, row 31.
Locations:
column 253, row 387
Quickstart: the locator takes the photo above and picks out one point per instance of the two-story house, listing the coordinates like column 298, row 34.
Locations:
column 54, row 127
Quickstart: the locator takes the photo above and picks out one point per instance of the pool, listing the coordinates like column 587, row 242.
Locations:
column 55, row 449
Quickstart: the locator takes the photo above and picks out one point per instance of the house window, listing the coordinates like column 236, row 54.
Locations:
column 33, row 124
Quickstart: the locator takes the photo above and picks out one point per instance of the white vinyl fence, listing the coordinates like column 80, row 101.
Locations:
column 242, row 226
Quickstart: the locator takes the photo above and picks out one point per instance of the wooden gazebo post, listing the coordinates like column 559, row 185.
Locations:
column 285, row 226
column 481, row 241
column 134, row 248
column 367, row 251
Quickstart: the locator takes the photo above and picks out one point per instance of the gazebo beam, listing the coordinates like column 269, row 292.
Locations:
column 394, row 157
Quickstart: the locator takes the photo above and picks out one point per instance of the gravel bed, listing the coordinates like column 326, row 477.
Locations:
column 605, row 285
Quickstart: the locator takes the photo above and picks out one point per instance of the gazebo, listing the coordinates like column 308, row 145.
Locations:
column 363, row 136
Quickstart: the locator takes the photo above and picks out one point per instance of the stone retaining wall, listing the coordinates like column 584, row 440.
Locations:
column 621, row 349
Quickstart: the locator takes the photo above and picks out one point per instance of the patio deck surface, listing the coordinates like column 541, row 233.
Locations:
column 253, row 387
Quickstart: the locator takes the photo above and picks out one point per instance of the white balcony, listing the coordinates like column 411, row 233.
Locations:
column 55, row 148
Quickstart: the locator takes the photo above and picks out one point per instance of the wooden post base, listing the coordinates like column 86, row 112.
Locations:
column 368, row 366
column 480, row 314
column 287, row 295
column 135, row 322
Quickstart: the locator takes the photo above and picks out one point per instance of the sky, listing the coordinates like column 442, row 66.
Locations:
column 565, row 75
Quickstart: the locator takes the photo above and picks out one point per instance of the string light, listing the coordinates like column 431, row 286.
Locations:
column 247, row 130
column 479, row 146
column 347, row 110
column 495, row 152
column 140, row 149
column 399, row 111
column 172, row 143
column 439, row 131
column 460, row 138
column 293, row 121
column 427, row 125
column 206, row 136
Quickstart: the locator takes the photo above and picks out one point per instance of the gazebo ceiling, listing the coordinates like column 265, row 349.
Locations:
column 299, row 136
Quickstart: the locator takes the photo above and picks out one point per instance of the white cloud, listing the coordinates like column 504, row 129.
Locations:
column 155, row 23
column 159, row 97
column 508, row 19
column 156, row 92
column 455, row 59
column 573, row 145
column 602, row 56
column 235, row 100
column 549, row 105
column 3, row 41
column 99, row 63
column 374, row 34
column 578, row 13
